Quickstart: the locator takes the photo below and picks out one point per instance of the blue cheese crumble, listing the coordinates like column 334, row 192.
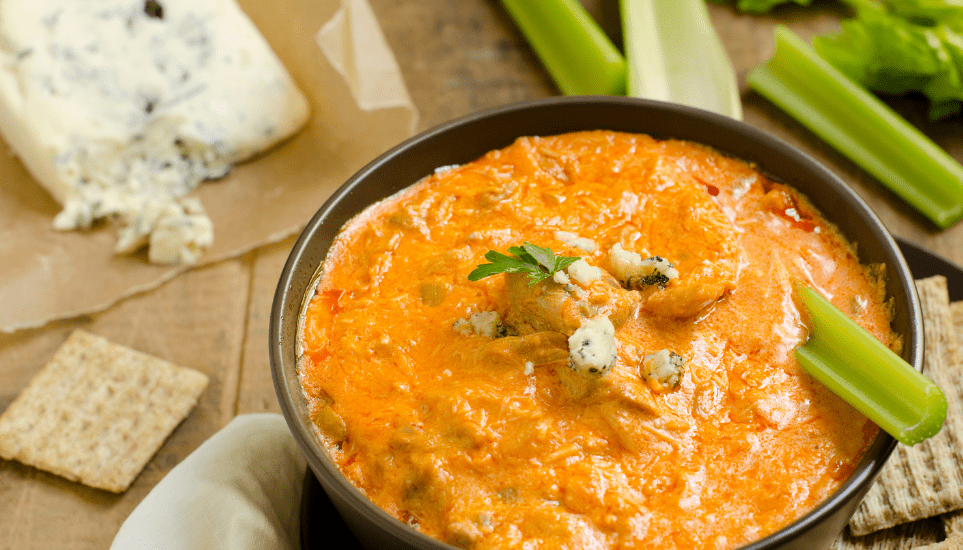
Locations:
column 592, row 348
column 180, row 233
column 636, row 273
column 485, row 323
column 584, row 273
column 573, row 240
column 663, row 370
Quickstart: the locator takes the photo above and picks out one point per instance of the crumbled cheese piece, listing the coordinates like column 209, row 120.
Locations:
column 623, row 263
column 742, row 186
column 462, row 327
column 485, row 323
column 485, row 519
column 561, row 278
column 181, row 233
column 119, row 107
column 635, row 273
column 490, row 235
column 529, row 368
column 584, row 273
column 662, row 266
column 592, row 348
column 573, row 240
column 663, row 369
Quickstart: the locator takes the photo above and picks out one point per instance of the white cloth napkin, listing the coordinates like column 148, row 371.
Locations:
column 241, row 489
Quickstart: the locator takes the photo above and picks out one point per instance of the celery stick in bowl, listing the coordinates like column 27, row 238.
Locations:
column 868, row 375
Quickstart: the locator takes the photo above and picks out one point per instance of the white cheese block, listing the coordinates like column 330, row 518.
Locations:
column 122, row 107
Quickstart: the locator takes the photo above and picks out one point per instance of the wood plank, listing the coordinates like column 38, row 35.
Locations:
column 256, row 392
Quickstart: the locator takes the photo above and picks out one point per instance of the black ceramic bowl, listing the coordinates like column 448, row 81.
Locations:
column 468, row 138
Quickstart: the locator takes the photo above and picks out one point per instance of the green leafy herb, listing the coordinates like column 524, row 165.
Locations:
column 861, row 127
column 895, row 47
column 903, row 46
column 760, row 6
column 539, row 262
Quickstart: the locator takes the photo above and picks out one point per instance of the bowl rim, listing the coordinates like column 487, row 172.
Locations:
column 291, row 399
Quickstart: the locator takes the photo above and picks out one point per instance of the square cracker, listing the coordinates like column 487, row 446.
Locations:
column 908, row 536
column 953, row 521
column 97, row 412
column 951, row 543
column 924, row 480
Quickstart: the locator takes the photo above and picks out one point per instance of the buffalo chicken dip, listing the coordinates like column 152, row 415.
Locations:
column 586, row 341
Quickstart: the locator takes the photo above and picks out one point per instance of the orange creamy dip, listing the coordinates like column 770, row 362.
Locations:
column 490, row 442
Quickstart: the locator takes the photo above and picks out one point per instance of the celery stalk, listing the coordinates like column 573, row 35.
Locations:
column 674, row 54
column 869, row 376
column 579, row 57
column 861, row 127
column 643, row 50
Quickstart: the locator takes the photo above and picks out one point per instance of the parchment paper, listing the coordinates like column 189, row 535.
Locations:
column 360, row 108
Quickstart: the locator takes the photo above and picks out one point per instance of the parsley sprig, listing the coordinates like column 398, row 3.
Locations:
column 539, row 262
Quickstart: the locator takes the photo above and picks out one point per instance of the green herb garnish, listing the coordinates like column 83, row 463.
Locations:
column 761, row 6
column 539, row 262
column 903, row 46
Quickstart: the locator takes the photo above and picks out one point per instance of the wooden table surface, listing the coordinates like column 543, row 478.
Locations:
column 457, row 56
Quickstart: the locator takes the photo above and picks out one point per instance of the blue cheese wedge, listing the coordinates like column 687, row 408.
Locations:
column 121, row 108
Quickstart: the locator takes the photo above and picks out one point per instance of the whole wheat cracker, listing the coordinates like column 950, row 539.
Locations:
column 97, row 412
column 953, row 521
column 956, row 311
column 908, row 536
column 953, row 524
column 951, row 543
column 924, row 480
